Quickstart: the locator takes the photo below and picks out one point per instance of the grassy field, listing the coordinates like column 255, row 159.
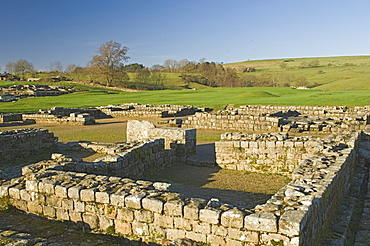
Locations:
column 332, row 73
column 216, row 98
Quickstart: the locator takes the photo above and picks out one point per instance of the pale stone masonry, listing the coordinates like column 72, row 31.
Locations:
column 24, row 143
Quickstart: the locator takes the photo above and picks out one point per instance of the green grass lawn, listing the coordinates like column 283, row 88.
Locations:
column 216, row 98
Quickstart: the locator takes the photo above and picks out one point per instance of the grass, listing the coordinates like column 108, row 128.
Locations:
column 216, row 98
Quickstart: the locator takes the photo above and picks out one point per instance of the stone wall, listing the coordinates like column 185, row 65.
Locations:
column 263, row 153
column 183, row 141
column 8, row 118
column 148, row 111
column 130, row 160
column 215, row 121
column 23, row 143
column 72, row 119
column 297, row 214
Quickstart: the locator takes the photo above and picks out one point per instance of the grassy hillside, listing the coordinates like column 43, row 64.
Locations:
column 216, row 98
column 331, row 73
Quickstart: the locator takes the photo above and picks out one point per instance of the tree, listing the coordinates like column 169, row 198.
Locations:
column 10, row 67
column 71, row 68
column 56, row 66
column 109, row 62
column 21, row 66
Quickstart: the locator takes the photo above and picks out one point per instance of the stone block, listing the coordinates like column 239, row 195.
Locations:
column 140, row 229
column 61, row 214
column 74, row 192
column 123, row 227
column 91, row 220
column 61, row 191
column 201, row 227
column 133, row 201
column 241, row 235
column 196, row 236
column 75, row 216
column 25, row 196
column 174, row 208
column 14, row 193
column 163, row 220
column 290, row 222
column 271, row 238
column 102, row 197
column 232, row 242
column 34, row 207
column 210, row 215
column 79, row 206
column 67, row 204
column 182, row 223
column 144, row 216
column 219, row 230
column 48, row 188
column 53, row 201
column 38, row 197
column 153, row 204
column 49, row 211
column 105, row 223
column 266, row 222
column 233, row 218
column 88, row 195
column 216, row 240
column 173, row 234
column 32, row 185
column 4, row 190
column 125, row 214
column 118, row 199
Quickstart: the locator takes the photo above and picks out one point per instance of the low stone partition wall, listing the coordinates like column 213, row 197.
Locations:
column 8, row 118
column 263, row 153
column 214, row 121
column 297, row 214
column 23, row 143
column 73, row 118
column 183, row 141
column 60, row 111
column 320, row 111
column 149, row 111
column 130, row 160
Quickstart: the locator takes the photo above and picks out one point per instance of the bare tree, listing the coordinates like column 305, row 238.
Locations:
column 10, row 67
column 109, row 62
column 21, row 67
column 70, row 68
column 56, row 66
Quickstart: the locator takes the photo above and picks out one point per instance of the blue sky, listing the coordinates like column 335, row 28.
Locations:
column 70, row 31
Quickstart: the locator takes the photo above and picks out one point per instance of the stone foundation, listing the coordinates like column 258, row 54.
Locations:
column 24, row 143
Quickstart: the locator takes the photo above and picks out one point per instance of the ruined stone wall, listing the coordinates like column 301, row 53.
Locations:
column 73, row 119
column 130, row 160
column 183, row 141
column 148, row 111
column 7, row 118
column 321, row 111
column 233, row 122
column 60, row 111
column 263, row 153
column 23, row 143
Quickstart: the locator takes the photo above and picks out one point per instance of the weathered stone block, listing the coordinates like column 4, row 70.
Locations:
column 67, row 204
column 271, row 238
column 125, row 214
column 25, row 196
column 102, row 197
column 215, row 240
column 34, row 207
column 105, row 223
column 75, row 216
column 14, row 193
column 210, row 215
column 88, row 195
column 174, row 208
column 54, row 201
column 48, row 188
column 245, row 236
column 182, row 223
column 61, row 214
column 61, row 191
column 79, row 206
column 191, row 212
column 201, row 227
column 140, row 229
column 233, row 218
column 91, row 220
column 290, row 222
column 219, row 230
column 232, row 242
column 144, row 216
column 123, row 227
column 74, row 192
column 49, row 211
column 196, row 236
column 173, row 234
column 118, row 199
column 153, row 204
column 32, row 185
column 133, row 201
column 163, row 220
column 266, row 222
